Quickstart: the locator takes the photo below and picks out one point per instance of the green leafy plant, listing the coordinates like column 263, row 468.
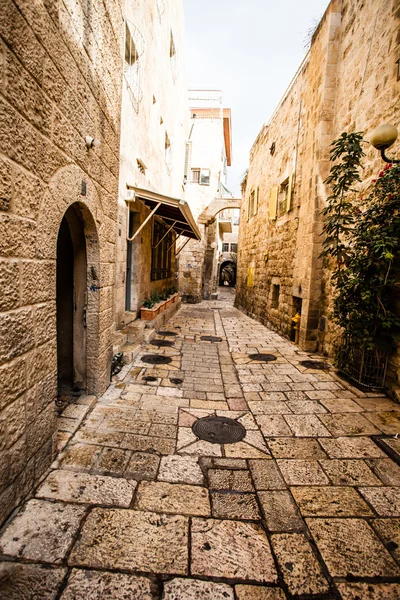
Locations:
column 155, row 297
column 363, row 238
column 148, row 303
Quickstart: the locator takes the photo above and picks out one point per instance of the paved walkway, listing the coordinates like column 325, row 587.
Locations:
column 137, row 507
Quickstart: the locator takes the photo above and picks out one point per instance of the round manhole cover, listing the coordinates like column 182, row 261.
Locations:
column 218, row 430
column 176, row 380
column 162, row 343
column 149, row 378
column 315, row 364
column 156, row 359
column 210, row 338
column 167, row 333
column 263, row 357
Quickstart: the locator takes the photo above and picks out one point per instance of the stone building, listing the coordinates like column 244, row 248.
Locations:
column 155, row 124
column 208, row 154
column 347, row 82
column 69, row 71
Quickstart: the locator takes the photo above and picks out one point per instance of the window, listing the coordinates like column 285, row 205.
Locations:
column 225, row 247
column 173, row 57
column 275, row 295
column 168, row 151
column 285, row 196
column 131, row 66
column 161, row 256
column 234, row 247
column 200, row 176
column 236, row 216
column 252, row 206
column 204, row 176
column 195, row 176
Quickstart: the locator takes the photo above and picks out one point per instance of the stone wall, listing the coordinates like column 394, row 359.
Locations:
column 347, row 82
column 61, row 71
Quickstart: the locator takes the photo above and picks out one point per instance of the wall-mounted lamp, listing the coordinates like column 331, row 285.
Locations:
column 213, row 245
column 91, row 142
column 382, row 138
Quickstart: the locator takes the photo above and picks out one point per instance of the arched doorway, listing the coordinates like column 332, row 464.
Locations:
column 227, row 273
column 71, row 303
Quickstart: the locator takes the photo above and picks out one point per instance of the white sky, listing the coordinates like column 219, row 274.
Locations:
column 250, row 49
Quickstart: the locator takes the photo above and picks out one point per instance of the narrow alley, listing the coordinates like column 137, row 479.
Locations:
column 137, row 506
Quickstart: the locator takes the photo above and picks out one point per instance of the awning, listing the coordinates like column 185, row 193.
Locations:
column 176, row 213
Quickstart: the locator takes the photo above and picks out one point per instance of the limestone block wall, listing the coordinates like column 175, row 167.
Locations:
column 347, row 82
column 152, row 112
column 60, row 71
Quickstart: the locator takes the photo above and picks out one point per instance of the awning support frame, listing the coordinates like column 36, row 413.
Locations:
column 174, row 242
column 182, row 247
column 155, row 209
column 165, row 235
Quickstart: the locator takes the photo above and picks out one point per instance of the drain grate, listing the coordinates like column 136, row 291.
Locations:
column 166, row 333
column 218, row 430
column 156, row 359
column 263, row 357
column 210, row 338
column 149, row 378
column 315, row 364
column 162, row 343
column 176, row 380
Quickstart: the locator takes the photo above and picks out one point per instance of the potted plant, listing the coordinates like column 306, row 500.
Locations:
column 170, row 299
column 148, row 310
column 362, row 238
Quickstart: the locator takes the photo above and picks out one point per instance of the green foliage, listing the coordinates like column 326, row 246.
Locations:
column 364, row 240
column 155, row 296
column 148, row 303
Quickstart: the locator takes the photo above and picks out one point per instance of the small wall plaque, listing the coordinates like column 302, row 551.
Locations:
column 83, row 188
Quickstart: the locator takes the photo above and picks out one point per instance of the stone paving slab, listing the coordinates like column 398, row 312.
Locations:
column 330, row 502
column 29, row 581
column 253, row 592
column 195, row 589
column 34, row 534
column 280, row 511
column 173, row 498
column 300, row 568
column 180, row 469
column 94, row 585
column 367, row 591
column 87, row 489
column 133, row 541
column 349, row 546
column 231, row 549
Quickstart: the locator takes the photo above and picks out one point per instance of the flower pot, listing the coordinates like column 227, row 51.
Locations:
column 162, row 306
column 168, row 302
column 148, row 314
column 175, row 297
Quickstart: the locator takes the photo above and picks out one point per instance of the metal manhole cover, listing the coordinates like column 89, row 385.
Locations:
column 156, row 359
column 168, row 333
column 264, row 357
column 218, row 430
column 176, row 380
column 210, row 338
column 149, row 378
column 162, row 343
column 315, row 364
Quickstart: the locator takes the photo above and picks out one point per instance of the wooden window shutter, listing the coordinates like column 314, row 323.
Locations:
column 188, row 151
column 256, row 192
column 289, row 193
column 273, row 203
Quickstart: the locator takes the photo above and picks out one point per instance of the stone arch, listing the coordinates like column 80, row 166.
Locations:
column 232, row 269
column 70, row 186
column 216, row 206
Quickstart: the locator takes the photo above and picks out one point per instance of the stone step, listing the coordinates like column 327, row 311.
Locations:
column 130, row 351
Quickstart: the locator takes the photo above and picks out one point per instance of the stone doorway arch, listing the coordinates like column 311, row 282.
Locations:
column 65, row 208
column 227, row 273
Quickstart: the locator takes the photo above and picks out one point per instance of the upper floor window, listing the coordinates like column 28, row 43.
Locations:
column 234, row 247
column 200, row 176
column 225, row 247
column 132, row 66
column 252, row 206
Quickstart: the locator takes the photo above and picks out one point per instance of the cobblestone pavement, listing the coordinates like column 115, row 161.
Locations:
column 135, row 506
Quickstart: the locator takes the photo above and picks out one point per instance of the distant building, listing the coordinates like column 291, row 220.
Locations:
column 347, row 82
column 208, row 154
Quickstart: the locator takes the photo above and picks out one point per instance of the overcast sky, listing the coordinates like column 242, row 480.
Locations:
column 250, row 49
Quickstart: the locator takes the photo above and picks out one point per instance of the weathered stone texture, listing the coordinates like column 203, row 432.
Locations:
column 59, row 84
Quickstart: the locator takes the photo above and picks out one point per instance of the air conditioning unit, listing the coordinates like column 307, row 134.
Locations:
column 130, row 195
